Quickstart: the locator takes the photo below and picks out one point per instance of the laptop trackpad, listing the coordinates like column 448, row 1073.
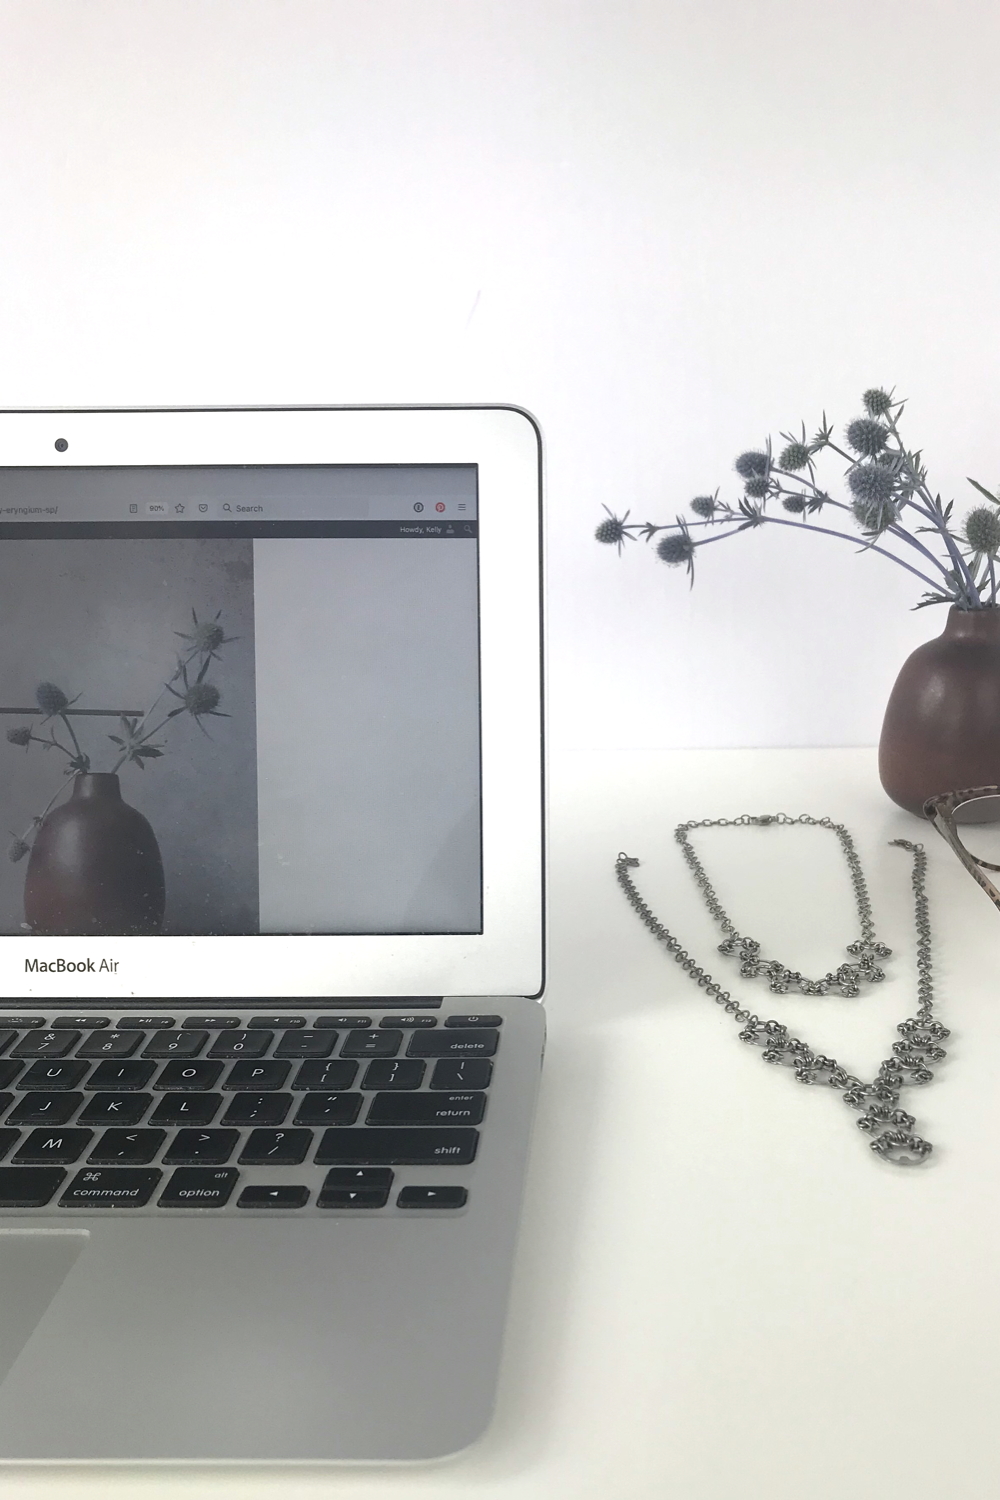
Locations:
column 33, row 1266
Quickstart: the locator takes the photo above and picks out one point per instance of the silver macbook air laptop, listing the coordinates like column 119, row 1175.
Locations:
column 271, row 927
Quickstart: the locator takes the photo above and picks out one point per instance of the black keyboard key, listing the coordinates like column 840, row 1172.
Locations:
column 463, row 1073
column 210, row 1023
column 148, row 1023
column 331, row 1023
column 111, row 1044
column 53, row 1075
column 426, row 1109
column 432, row 1197
column 186, row 1109
column 46, row 1044
column 189, row 1075
column 5, row 1100
column 175, row 1044
column 70, row 1023
column 22, row 1022
column 372, row 1044
column 359, row 1177
column 28, row 1187
column 133, row 1148
column 276, row 1023
column 9, row 1071
column 115, row 1109
column 328, row 1109
column 241, row 1044
column 45, row 1109
column 306, row 1044
column 473, row 1021
column 62, row 1146
column 453, row 1043
column 426, row 1146
column 276, row 1148
column 325, row 1075
column 352, row 1198
column 411, row 1022
column 111, row 1187
column 121, row 1075
column 404, row 1073
column 199, row 1187
column 257, row 1109
column 8, row 1139
column 7, row 1036
column 257, row 1075
column 209, row 1146
column 273, row 1197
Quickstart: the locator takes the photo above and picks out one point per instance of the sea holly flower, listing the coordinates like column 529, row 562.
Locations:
column 796, row 456
column 19, row 736
column 888, row 497
column 867, row 436
column 675, row 549
column 206, row 636
column 51, row 699
column 752, row 464
column 613, row 531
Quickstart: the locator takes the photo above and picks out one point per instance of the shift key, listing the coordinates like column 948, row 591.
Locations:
column 424, row 1147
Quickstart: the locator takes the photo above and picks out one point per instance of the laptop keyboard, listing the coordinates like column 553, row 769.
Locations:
column 266, row 1113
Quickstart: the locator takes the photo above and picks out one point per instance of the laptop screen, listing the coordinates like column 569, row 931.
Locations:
column 280, row 666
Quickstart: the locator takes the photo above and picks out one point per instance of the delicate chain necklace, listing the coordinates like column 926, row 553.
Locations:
column 921, row 1035
column 848, row 978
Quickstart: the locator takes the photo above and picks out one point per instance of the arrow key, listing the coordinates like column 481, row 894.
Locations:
column 273, row 1197
column 432, row 1197
column 352, row 1198
column 358, row 1177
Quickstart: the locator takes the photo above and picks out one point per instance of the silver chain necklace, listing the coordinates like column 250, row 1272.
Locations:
column 921, row 1035
column 848, row 977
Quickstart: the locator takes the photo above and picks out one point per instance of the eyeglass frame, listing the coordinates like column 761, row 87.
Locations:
column 941, row 810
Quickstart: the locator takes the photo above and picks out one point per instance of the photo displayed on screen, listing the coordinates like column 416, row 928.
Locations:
column 240, row 700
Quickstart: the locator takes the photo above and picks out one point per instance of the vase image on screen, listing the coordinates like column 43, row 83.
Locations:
column 130, row 764
column 95, row 866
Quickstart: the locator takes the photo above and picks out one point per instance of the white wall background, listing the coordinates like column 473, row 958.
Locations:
column 666, row 226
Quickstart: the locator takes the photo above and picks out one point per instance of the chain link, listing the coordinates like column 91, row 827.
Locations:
column 848, row 977
column 921, row 1035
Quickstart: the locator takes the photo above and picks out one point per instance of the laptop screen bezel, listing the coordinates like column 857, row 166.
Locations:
column 507, row 956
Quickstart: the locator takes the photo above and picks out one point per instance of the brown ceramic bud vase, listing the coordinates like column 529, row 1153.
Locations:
column 95, row 866
column 942, row 724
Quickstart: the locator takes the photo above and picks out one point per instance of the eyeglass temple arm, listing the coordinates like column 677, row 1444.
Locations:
column 940, row 812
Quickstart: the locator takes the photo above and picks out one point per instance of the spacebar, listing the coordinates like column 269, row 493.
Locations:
column 422, row 1147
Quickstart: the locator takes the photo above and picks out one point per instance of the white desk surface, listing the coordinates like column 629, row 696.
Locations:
column 721, row 1293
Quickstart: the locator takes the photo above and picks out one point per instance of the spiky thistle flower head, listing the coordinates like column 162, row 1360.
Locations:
column 19, row 736
column 51, row 699
column 877, row 402
column 704, row 506
column 675, row 548
column 612, row 532
column 873, row 482
column 867, row 436
column 982, row 530
column 794, row 503
column 757, row 487
column 17, row 849
column 202, row 698
column 796, row 456
column 752, row 464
